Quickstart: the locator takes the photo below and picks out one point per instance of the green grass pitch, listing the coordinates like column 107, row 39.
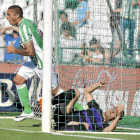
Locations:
column 31, row 130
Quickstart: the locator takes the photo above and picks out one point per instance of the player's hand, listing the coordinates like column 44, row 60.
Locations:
column 101, row 83
column 120, row 109
column 40, row 104
column 10, row 49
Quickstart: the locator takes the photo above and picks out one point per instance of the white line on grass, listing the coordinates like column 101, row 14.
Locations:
column 92, row 132
column 6, row 117
column 86, row 136
column 127, row 128
column 61, row 134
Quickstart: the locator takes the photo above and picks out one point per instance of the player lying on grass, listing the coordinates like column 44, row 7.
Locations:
column 93, row 119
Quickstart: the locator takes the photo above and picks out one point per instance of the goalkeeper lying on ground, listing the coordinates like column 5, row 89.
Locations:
column 92, row 119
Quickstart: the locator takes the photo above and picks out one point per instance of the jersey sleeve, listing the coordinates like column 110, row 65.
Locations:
column 25, row 34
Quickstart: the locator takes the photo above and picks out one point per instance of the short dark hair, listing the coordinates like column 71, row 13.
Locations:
column 17, row 9
column 66, row 26
column 63, row 12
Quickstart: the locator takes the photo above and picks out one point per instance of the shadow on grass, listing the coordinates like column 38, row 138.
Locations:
column 35, row 125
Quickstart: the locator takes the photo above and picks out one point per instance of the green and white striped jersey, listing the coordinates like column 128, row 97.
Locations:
column 28, row 30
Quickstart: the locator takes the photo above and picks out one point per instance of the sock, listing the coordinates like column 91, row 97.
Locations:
column 24, row 98
column 78, row 107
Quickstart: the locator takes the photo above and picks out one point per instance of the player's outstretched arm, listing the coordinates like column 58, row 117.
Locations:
column 27, row 51
column 113, row 125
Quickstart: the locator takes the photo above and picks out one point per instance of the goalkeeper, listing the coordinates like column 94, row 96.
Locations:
column 93, row 119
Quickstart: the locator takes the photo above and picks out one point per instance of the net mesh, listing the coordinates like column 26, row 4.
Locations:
column 91, row 42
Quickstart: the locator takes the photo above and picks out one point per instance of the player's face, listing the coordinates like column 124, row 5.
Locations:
column 11, row 17
column 111, row 114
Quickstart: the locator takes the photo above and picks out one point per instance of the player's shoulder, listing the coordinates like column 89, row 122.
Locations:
column 26, row 22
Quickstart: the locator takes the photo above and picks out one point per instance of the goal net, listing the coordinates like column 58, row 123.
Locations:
column 90, row 43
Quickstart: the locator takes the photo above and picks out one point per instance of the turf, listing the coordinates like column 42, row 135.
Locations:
column 13, row 135
column 31, row 125
column 16, row 135
column 32, row 131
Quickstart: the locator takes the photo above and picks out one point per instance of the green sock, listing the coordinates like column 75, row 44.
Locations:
column 78, row 107
column 24, row 98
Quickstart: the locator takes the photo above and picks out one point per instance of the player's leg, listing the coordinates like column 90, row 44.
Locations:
column 23, row 93
column 24, row 73
column 87, row 92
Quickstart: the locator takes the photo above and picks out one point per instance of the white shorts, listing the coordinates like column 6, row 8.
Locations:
column 28, row 70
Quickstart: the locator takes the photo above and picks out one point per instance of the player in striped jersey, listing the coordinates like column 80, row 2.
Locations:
column 31, row 38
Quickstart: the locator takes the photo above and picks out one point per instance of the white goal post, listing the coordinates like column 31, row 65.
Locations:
column 47, row 63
